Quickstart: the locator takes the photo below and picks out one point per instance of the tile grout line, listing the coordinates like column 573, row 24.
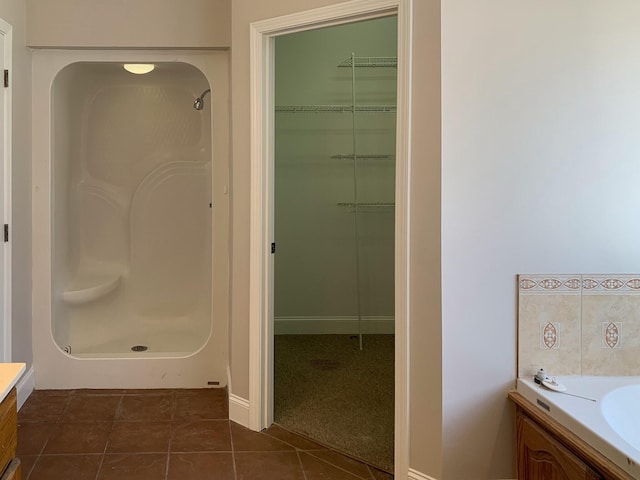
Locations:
column 370, row 472
column 174, row 407
column 166, row 470
column 39, row 455
column 337, row 466
column 66, row 405
column 94, row 454
column 291, row 444
column 233, row 453
column 106, row 446
column 311, row 451
column 304, row 474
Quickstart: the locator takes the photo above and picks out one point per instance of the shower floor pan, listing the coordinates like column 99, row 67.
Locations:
column 170, row 344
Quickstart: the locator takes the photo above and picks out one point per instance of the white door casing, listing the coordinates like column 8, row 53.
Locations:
column 5, row 194
column 261, row 288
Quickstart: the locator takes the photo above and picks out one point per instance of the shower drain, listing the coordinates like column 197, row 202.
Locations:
column 139, row 348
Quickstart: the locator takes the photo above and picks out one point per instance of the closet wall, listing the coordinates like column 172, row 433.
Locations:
column 315, row 270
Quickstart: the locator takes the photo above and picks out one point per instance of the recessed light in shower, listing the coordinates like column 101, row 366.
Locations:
column 139, row 68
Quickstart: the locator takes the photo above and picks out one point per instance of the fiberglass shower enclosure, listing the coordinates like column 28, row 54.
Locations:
column 131, row 238
column 335, row 179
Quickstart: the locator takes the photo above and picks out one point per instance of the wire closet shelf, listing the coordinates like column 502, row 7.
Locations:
column 370, row 62
column 336, row 108
column 351, row 62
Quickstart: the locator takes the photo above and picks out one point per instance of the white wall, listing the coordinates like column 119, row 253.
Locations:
column 540, row 173
column 13, row 11
column 142, row 23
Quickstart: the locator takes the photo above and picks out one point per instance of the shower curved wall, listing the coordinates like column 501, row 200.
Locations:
column 130, row 220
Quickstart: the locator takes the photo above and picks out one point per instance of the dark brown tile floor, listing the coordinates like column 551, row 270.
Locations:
column 163, row 435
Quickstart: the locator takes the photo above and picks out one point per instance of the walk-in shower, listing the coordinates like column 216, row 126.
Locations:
column 132, row 226
column 132, row 188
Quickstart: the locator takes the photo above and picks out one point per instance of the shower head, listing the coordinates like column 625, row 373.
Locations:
column 199, row 103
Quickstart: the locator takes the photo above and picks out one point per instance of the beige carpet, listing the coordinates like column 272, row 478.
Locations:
column 329, row 390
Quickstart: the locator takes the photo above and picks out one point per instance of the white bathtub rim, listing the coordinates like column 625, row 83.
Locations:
column 584, row 417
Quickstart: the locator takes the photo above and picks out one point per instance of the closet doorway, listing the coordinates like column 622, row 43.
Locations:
column 334, row 229
column 259, row 407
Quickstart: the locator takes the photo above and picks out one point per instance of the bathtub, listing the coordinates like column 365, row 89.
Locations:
column 130, row 220
column 591, row 408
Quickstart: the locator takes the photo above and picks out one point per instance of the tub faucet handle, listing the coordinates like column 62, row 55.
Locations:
column 540, row 376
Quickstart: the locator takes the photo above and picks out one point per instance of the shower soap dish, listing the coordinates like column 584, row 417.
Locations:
column 552, row 384
column 541, row 378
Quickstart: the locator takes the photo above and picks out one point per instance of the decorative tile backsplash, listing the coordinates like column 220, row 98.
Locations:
column 579, row 324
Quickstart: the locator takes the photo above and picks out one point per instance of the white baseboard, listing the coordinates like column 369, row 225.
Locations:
column 238, row 406
column 345, row 325
column 239, row 410
column 416, row 475
column 25, row 386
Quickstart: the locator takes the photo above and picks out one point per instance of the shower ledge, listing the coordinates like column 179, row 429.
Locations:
column 90, row 287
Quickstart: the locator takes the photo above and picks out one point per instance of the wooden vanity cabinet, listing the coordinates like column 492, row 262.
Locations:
column 541, row 456
column 9, row 466
column 548, row 451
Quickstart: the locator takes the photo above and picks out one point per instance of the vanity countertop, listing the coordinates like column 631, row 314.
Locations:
column 10, row 373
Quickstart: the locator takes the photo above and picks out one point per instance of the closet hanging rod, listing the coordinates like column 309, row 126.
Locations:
column 367, row 204
column 335, row 108
column 349, row 156
column 370, row 62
